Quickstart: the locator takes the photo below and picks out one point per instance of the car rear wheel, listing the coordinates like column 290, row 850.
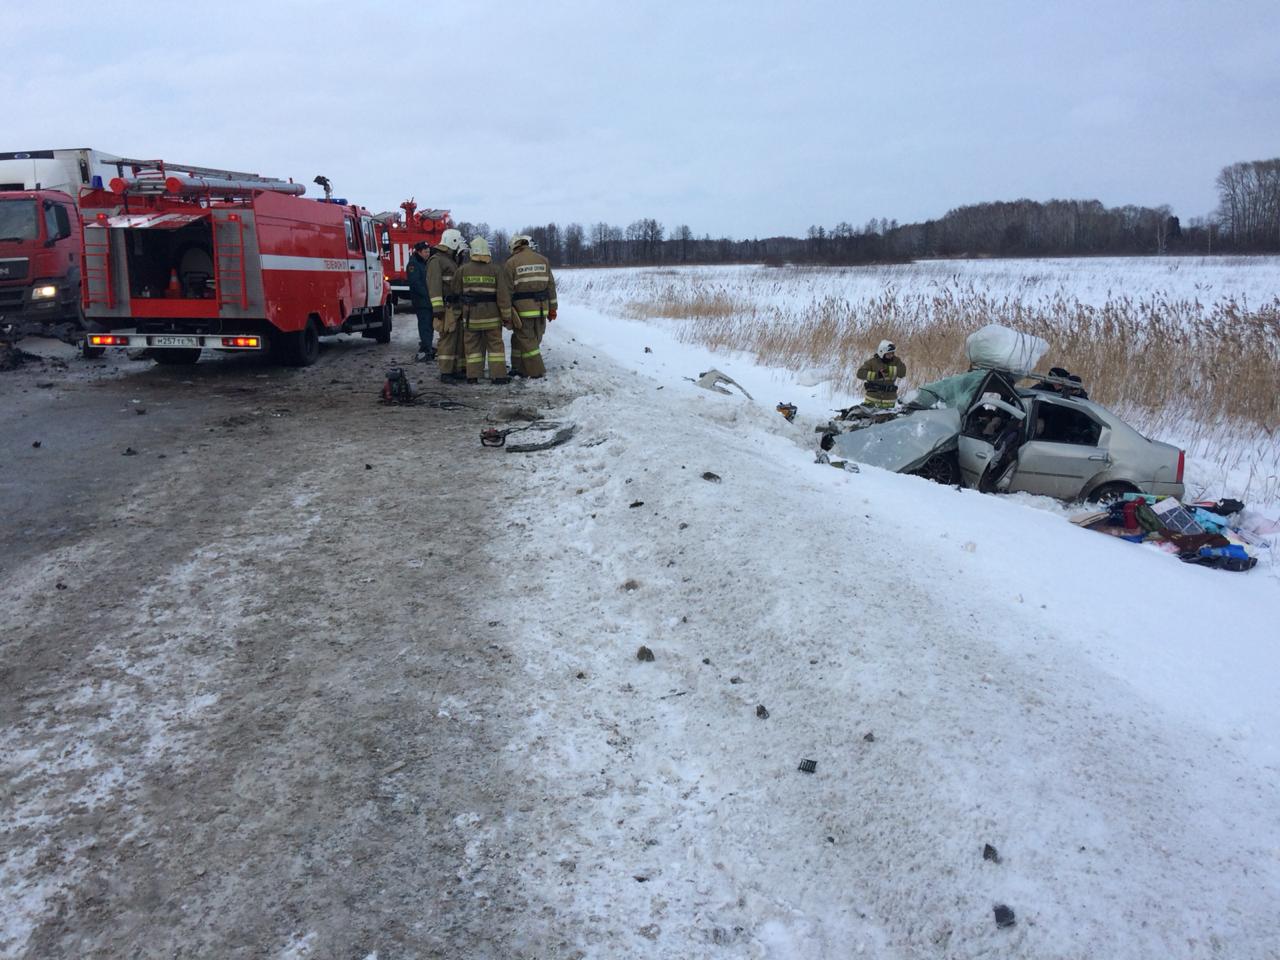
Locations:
column 941, row 468
column 1111, row 492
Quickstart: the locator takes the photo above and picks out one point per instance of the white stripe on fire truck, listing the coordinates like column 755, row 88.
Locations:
column 279, row 261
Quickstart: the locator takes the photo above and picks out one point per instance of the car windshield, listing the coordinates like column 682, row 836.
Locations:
column 954, row 392
column 18, row 220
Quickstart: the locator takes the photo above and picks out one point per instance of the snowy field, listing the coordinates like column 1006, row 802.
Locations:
column 1092, row 280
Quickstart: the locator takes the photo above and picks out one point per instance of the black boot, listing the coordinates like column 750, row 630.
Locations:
column 500, row 381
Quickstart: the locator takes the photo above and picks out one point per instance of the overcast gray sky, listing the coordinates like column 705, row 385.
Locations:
column 743, row 118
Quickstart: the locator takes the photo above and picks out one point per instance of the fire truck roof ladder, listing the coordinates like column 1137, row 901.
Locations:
column 157, row 177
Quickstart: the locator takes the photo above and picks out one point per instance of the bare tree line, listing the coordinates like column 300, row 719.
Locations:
column 1247, row 220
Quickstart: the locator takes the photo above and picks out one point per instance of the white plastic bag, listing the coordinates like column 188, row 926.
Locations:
column 1004, row 349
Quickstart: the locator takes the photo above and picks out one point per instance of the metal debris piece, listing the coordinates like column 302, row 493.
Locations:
column 636, row 503
column 1004, row 916
column 808, row 766
column 715, row 381
column 644, row 654
column 761, row 712
column 990, row 853
column 869, row 737
column 711, row 477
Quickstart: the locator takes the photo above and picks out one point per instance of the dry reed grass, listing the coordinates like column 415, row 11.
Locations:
column 1206, row 372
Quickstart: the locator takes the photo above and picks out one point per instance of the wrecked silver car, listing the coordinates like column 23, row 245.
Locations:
column 980, row 430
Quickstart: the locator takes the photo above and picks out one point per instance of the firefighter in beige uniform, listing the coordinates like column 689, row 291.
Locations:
column 485, row 303
column 533, row 300
column 441, row 268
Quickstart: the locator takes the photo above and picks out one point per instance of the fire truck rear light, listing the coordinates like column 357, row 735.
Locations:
column 234, row 217
column 250, row 342
column 107, row 340
column 1182, row 464
column 101, row 218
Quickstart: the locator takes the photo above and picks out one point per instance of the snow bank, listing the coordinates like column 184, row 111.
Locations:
column 965, row 669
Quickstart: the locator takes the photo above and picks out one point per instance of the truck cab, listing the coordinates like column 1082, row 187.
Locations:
column 39, row 263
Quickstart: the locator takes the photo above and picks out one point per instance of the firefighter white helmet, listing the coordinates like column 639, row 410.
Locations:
column 451, row 239
column 886, row 347
column 520, row 238
column 479, row 247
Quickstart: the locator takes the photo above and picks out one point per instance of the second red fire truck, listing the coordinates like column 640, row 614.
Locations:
column 178, row 260
column 400, row 231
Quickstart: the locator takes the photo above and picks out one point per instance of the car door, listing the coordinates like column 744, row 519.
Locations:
column 990, row 416
column 1066, row 448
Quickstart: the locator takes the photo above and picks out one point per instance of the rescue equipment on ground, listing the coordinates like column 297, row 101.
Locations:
column 396, row 388
column 788, row 410
column 546, row 434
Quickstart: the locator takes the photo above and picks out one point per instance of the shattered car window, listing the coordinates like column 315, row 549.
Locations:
column 954, row 392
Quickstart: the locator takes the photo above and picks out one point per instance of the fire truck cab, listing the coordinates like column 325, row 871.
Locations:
column 399, row 233
column 179, row 260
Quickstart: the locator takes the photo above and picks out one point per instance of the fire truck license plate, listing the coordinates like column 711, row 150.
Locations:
column 175, row 342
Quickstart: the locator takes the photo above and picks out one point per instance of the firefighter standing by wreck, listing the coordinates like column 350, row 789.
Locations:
column 879, row 373
column 485, row 303
column 441, row 270
column 533, row 298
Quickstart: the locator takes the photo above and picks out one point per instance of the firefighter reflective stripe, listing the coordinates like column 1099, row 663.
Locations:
column 437, row 302
column 535, row 352
column 525, row 314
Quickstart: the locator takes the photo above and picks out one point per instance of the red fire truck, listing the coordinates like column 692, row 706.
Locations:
column 178, row 260
column 399, row 233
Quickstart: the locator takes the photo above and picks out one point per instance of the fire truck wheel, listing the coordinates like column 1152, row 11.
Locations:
column 383, row 333
column 176, row 357
column 301, row 349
